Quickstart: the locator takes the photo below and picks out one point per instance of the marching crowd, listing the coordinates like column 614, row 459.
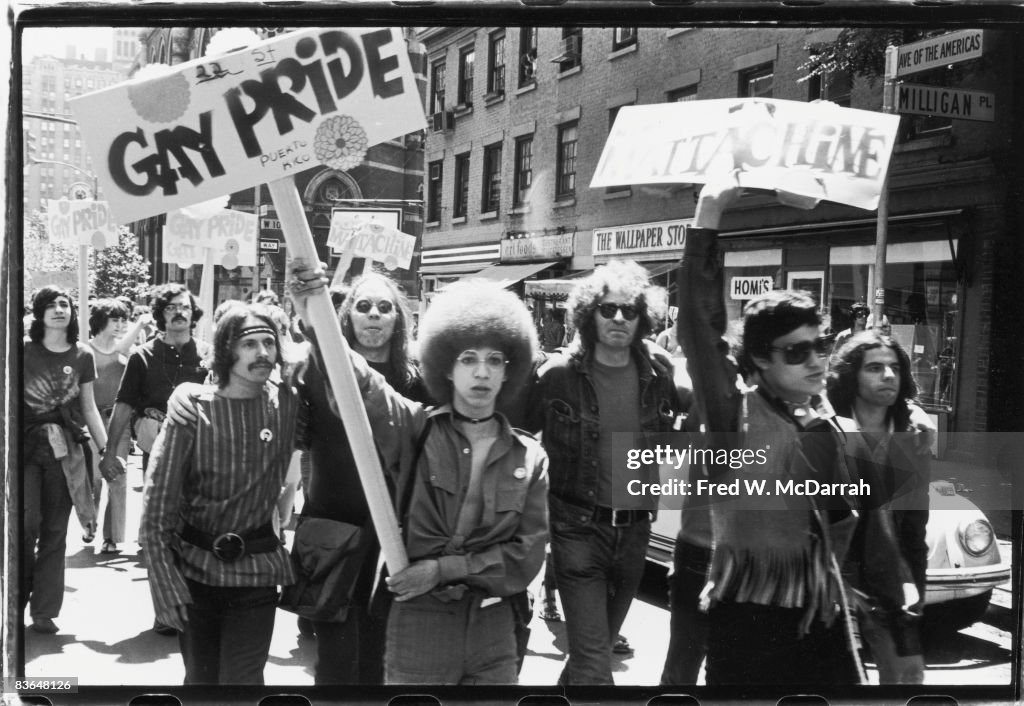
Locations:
column 499, row 456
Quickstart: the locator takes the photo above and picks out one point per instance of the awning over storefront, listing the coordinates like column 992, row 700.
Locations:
column 507, row 275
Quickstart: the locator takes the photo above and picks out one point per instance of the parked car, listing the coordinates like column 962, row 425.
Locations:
column 964, row 561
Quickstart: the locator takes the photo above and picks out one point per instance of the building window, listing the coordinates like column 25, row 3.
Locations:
column 566, row 164
column 466, row 57
column 834, row 86
column 687, row 93
column 623, row 37
column 435, row 182
column 571, row 51
column 612, row 114
column 437, row 87
column 491, row 188
column 757, row 82
column 527, row 55
column 523, row 169
column 496, row 64
column 461, row 199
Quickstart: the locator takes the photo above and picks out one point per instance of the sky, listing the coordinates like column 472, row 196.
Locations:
column 52, row 40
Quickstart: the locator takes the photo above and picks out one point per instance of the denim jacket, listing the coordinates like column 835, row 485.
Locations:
column 563, row 403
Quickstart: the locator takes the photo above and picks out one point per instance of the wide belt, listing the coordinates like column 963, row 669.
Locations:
column 232, row 546
column 620, row 518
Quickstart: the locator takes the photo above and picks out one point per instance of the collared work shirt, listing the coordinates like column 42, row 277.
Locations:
column 156, row 368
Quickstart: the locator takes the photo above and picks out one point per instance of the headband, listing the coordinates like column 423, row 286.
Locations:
column 248, row 330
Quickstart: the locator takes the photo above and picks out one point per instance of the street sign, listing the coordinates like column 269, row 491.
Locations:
column 269, row 245
column 938, row 51
column 948, row 102
column 271, row 223
column 742, row 288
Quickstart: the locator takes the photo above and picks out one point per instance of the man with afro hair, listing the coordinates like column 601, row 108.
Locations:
column 472, row 491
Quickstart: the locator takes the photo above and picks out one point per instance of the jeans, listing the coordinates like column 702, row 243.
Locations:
column 459, row 642
column 688, row 634
column 47, row 511
column 227, row 637
column 598, row 569
column 760, row 644
column 893, row 668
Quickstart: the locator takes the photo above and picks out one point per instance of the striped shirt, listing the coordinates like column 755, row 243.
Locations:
column 220, row 474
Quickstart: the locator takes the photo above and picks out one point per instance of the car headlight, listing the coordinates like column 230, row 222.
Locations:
column 977, row 537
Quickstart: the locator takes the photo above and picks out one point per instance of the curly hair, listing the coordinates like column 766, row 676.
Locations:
column 42, row 299
column 846, row 363
column 102, row 311
column 625, row 276
column 231, row 321
column 398, row 354
column 469, row 314
column 162, row 297
column 770, row 316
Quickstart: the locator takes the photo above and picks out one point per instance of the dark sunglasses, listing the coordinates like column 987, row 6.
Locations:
column 629, row 312
column 798, row 353
column 363, row 306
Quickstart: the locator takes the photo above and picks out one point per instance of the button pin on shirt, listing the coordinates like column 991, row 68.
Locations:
column 519, row 473
column 266, row 436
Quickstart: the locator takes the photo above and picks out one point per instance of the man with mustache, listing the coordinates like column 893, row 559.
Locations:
column 154, row 369
column 215, row 558
column 599, row 532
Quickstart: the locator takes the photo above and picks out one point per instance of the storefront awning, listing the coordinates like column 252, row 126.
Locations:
column 657, row 269
column 507, row 275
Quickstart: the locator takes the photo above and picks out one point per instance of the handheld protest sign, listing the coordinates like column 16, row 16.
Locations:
column 805, row 151
column 261, row 114
column 371, row 233
column 343, row 381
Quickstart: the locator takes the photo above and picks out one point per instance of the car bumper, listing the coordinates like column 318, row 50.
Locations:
column 945, row 585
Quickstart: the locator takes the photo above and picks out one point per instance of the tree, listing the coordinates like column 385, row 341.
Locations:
column 120, row 270
column 859, row 50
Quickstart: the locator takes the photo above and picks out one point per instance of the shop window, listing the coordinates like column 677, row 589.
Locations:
column 491, row 187
column 437, row 71
column 461, row 198
column 749, row 274
column 496, row 64
column 566, row 164
column 523, row 176
column 435, row 182
column 527, row 56
column 466, row 59
column 757, row 82
column 623, row 37
column 921, row 306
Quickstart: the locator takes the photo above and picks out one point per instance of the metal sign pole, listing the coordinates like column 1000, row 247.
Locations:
column 882, row 228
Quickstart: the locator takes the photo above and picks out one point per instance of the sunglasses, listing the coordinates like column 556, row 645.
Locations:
column 363, row 306
column 629, row 312
column 471, row 359
column 798, row 353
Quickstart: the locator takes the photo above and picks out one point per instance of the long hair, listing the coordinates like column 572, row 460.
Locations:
column 42, row 299
column 768, row 317
column 472, row 313
column 230, row 323
column 102, row 311
column 162, row 297
column 398, row 353
column 846, row 364
column 621, row 275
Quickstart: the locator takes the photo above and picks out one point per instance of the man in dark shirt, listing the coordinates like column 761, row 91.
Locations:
column 376, row 323
column 152, row 373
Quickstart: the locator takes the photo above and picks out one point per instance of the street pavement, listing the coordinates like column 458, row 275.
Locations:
column 106, row 635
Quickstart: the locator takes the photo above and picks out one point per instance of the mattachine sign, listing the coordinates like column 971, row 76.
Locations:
column 815, row 150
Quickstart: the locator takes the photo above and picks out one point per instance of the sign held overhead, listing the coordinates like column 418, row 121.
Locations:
column 214, row 126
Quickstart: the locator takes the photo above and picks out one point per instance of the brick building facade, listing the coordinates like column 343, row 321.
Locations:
column 518, row 117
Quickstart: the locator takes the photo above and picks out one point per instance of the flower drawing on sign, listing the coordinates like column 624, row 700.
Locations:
column 162, row 98
column 230, row 259
column 340, row 142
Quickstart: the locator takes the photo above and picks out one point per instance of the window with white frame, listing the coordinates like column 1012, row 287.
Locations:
column 568, row 141
column 460, row 201
column 496, row 63
column 466, row 59
column 523, row 175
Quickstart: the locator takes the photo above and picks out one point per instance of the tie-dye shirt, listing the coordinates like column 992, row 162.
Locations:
column 54, row 379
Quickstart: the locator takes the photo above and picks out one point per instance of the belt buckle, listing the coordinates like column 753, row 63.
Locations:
column 229, row 547
column 615, row 518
